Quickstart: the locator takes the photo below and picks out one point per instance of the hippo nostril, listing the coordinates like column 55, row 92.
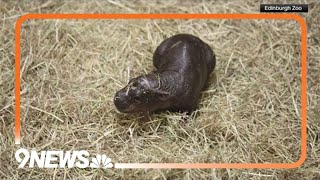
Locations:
column 117, row 99
column 121, row 103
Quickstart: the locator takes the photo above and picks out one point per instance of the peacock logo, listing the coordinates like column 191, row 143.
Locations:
column 101, row 161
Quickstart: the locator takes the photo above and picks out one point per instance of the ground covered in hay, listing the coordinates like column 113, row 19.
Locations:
column 70, row 70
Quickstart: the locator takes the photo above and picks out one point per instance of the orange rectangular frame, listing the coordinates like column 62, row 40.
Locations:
column 298, row 18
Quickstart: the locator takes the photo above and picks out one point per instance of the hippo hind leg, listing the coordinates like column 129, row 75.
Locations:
column 158, row 55
column 210, row 58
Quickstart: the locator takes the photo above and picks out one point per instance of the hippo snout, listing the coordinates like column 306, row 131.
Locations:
column 121, row 101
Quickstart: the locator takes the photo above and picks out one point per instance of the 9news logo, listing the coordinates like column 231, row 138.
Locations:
column 60, row 159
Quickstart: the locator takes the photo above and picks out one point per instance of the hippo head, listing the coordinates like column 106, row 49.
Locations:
column 142, row 94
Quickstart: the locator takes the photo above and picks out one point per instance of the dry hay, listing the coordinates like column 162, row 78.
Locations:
column 71, row 69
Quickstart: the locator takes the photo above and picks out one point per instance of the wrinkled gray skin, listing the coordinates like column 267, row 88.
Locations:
column 183, row 64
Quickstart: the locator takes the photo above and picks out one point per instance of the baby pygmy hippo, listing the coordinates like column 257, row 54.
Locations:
column 183, row 64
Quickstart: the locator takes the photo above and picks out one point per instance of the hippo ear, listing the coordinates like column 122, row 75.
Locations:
column 163, row 95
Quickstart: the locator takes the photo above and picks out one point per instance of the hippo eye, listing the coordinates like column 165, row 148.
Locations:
column 135, row 84
column 137, row 99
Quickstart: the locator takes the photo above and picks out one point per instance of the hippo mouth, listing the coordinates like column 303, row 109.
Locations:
column 133, row 109
column 128, row 110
